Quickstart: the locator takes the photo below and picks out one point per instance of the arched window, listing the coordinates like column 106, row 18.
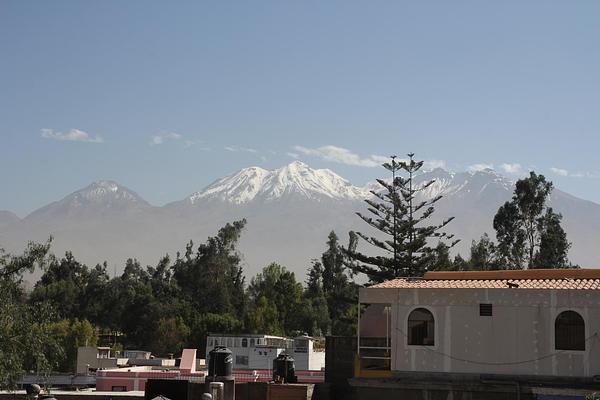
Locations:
column 421, row 328
column 244, row 342
column 569, row 331
column 251, row 342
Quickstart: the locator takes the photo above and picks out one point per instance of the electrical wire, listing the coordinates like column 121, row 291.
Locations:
column 494, row 363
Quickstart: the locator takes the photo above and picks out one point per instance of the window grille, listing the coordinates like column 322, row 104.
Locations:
column 421, row 328
column 569, row 331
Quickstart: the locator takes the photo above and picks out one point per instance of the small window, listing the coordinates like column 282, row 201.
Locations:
column 244, row 342
column 485, row 310
column 421, row 328
column 251, row 342
column 569, row 331
column 241, row 360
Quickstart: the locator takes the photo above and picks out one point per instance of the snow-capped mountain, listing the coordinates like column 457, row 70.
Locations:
column 473, row 185
column 102, row 198
column 290, row 211
column 257, row 184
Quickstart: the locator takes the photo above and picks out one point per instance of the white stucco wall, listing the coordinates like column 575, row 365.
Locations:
column 521, row 329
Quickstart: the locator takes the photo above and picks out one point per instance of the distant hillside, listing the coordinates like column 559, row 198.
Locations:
column 290, row 212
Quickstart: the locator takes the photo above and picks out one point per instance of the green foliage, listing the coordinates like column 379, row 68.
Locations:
column 212, row 279
column 320, row 321
column 554, row 245
column 264, row 317
column 171, row 336
column 25, row 344
column 441, row 260
column 339, row 290
column 203, row 324
column 459, row 263
column 173, row 305
column 71, row 334
column 401, row 217
column 345, row 325
column 483, row 254
column 529, row 234
column 279, row 286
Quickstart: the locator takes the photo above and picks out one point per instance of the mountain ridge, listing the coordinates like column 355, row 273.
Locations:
column 98, row 198
column 290, row 211
column 261, row 184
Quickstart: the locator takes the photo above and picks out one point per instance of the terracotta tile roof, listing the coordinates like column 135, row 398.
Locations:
column 522, row 279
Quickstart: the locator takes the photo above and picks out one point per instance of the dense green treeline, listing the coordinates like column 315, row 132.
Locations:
column 177, row 302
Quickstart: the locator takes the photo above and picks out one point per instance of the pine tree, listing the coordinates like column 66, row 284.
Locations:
column 318, row 320
column 338, row 288
column 400, row 216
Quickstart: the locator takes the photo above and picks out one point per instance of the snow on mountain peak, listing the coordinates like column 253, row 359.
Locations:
column 103, row 190
column 295, row 178
column 99, row 198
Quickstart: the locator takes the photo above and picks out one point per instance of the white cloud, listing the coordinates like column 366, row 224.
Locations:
column 342, row 156
column 74, row 135
column 479, row 167
column 511, row 168
column 560, row 171
column 383, row 159
column 240, row 149
column 160, row 139
column 433, row 164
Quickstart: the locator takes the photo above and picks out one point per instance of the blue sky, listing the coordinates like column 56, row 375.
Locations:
column 165, row 97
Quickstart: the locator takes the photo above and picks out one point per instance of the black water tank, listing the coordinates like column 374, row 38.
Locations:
column 283, row 367
column 220, row 362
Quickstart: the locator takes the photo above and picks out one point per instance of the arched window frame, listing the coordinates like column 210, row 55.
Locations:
column 435, row 330
column 558, row 345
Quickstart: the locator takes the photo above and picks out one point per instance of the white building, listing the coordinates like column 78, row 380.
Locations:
column 259, row 351
column 306, row 356
column 533, row 322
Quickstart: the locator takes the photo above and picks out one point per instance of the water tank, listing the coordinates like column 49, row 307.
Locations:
column 284, row 369
column 220, row 362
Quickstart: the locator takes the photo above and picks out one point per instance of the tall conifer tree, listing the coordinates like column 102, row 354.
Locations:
column 400, row 214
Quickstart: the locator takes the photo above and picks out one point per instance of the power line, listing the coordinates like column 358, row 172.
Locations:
column 494, row 363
